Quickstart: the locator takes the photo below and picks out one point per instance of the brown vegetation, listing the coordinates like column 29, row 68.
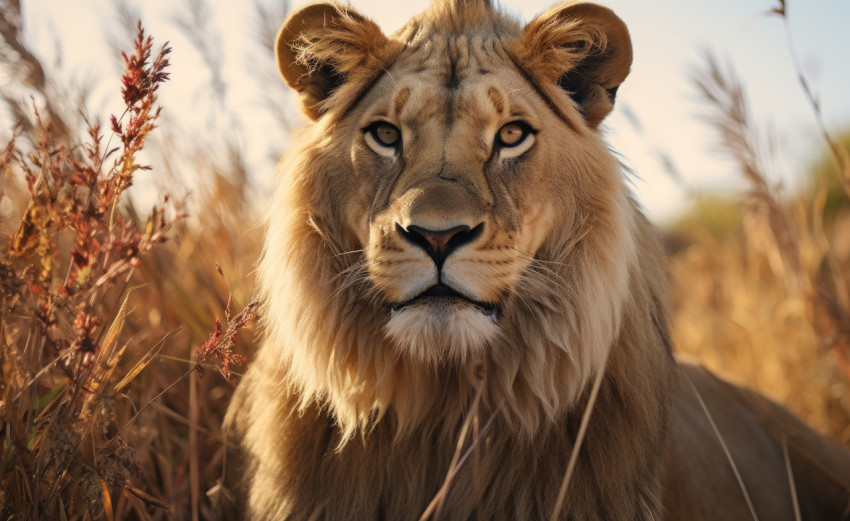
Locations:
column 105, row 316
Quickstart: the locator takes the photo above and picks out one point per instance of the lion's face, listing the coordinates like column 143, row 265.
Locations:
column 459, row 168
column 453, row 202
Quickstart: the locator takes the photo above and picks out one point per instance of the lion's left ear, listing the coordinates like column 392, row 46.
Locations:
column 585, row 49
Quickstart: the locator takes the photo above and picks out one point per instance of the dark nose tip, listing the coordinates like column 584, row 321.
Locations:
column 439, row 244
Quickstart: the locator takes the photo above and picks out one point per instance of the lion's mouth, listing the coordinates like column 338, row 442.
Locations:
column 441, row 291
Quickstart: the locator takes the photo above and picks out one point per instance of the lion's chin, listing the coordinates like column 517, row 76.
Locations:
column 442, row 329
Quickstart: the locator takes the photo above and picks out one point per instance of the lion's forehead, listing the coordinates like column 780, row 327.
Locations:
column 463, row 80
column 454, row 58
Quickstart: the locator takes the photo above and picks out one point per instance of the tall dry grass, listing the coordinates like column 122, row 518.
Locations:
column 109, row 413
column 768, row 302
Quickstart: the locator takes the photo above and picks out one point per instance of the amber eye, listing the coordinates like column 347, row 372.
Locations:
column 513, row 134
column 384, row 134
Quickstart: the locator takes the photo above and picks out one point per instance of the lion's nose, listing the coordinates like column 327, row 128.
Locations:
column 439, row 244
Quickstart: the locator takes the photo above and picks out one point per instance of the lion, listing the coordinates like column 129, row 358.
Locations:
column 465, row 309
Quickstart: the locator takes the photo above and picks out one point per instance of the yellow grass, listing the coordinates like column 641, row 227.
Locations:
column 736, row 310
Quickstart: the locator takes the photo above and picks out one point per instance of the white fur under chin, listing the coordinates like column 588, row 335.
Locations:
column 441, row 329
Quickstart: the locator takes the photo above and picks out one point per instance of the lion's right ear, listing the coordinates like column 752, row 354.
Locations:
column 582, row 48
column 328, row 52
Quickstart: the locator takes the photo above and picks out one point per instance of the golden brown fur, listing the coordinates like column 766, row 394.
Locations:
column 364, row 389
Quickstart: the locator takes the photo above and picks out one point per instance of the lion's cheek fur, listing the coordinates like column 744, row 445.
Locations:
column 569, row 327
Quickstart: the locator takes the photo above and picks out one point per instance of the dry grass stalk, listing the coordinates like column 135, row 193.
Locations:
column 195, row 22
column 18, row 61
column 568, row 472
column 732, row 465
column 839, row 156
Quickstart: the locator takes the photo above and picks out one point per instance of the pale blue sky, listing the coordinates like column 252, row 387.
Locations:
column 669, row 37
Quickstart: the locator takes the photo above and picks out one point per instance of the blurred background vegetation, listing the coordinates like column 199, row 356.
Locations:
column 759, row 276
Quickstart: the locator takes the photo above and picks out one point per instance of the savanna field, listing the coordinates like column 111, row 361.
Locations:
column 126, row 291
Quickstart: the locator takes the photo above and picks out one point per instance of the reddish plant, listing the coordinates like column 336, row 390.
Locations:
column 62, row 272
column 220, row 343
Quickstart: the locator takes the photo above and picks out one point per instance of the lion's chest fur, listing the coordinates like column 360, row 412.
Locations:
column 499, row 477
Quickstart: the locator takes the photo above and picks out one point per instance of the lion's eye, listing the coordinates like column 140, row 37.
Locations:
column 384, row 134
column 514, row 138
column 513, row 134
